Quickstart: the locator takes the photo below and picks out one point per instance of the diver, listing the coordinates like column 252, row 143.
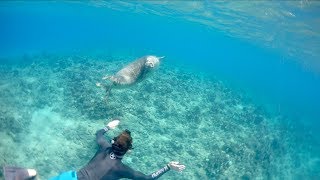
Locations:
column 106, row 163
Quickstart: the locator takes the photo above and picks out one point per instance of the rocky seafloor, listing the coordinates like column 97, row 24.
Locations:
column 50, row 109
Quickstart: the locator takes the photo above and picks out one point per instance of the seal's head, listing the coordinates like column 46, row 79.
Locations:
column 153, row 61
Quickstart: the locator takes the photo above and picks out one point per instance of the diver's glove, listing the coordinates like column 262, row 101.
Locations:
column 176, row 166
column 111, row 125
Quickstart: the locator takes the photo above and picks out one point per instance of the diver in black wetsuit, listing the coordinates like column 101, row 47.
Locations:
column 105, row 165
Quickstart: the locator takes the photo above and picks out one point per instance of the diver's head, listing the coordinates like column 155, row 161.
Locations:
column 122, row 143
column 153, row 61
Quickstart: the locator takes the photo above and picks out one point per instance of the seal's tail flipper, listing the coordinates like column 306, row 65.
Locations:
column 18, row 173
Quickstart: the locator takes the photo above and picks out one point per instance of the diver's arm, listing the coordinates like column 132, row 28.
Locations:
column 139, row 175
column 132, row 174
column 103, row 143
column 160, row 172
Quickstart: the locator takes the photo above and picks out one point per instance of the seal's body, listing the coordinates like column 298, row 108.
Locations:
column 132, row 73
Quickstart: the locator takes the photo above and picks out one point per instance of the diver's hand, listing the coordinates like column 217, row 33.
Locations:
column 113, row 124
column 176, row 166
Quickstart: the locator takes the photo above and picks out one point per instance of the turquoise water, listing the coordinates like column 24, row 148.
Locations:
column 237, row 95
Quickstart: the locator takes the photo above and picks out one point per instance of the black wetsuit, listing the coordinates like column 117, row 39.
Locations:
column 105, row 165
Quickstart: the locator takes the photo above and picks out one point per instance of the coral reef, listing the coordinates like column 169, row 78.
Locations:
column 50, row 109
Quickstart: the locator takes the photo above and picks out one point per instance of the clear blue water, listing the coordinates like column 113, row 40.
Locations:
column 278, row 72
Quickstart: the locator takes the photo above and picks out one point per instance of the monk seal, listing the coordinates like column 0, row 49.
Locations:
column 132, row 73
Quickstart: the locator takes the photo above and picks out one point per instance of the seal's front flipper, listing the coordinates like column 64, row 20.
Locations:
column 108, row 91
column 18, row 173
column 103, row 86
